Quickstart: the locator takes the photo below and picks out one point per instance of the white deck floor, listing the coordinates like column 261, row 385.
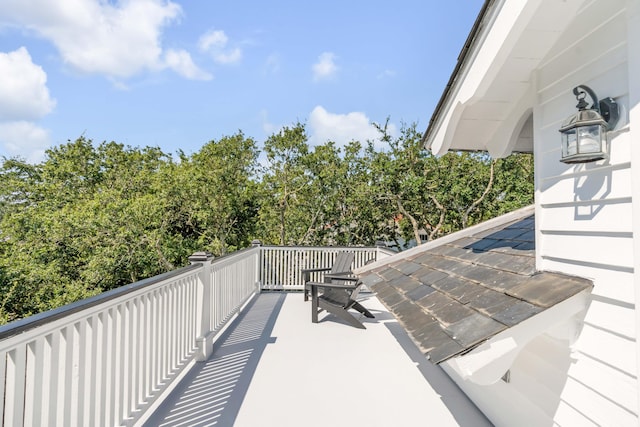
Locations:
column 273, row 367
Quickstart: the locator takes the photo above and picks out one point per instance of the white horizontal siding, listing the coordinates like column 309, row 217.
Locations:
column 606, row 380
column 596, row 407
column 609, row 217
column 615, row 318
column 567, row 415
column 633, row 106
column 559, row 376
column 609, row 348
column 599, row 250
column 566, row 187
column 584, row 218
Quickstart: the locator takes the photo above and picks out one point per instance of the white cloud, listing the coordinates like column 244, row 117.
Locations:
column 229, row 57
column 24, row 139
column 23, row 88
column 215, row 43
column 213, row 39
column 24, row 97
column 118, row 39
column 325, row 68
column 180, row 61
column 342, row 128
column 267, row 127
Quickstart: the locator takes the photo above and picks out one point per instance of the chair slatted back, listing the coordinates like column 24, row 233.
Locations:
column 343, row 262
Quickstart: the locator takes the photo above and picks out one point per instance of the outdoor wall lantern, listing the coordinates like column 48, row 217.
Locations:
column 584, row 135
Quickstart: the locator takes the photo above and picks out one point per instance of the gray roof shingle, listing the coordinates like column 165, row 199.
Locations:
column 453, row 297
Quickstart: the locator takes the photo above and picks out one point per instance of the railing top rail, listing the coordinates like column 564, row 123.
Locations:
column 230, row 257
column 324, row 248
column 23, row 325
column 386, row 250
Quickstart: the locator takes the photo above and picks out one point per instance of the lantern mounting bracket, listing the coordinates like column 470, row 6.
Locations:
column 607, row 107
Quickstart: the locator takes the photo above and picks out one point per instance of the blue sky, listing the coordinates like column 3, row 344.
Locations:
column 176, row 74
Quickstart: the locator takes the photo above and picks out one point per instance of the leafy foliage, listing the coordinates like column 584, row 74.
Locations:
column 92, row 217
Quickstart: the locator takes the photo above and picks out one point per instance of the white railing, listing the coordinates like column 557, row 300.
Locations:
column 105, row 360
column 108, row 360
column 281, row 266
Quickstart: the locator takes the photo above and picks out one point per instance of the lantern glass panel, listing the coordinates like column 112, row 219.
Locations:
column 569, row 145
column 589, row 139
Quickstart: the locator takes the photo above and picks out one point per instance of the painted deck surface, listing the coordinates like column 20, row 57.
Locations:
column 273, row 367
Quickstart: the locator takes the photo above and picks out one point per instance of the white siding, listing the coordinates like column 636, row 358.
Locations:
column 584, row 218
column 633, row 28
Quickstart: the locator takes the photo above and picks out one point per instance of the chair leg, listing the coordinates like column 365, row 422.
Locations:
column 341, row 313
column 314, row 303
column 361, row 309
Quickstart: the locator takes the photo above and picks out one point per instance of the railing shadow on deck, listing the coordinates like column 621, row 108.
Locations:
column 213, row 391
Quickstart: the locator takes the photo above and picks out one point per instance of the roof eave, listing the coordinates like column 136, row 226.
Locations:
column 462, row 58
column 488, row 102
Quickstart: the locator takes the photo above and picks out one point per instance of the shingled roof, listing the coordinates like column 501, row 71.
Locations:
column 452, row 297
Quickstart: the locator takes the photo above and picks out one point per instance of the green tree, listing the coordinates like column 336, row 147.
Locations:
column 220, row 191
column 83, row 221
column 440, row 195
column 284, row 187
column 94, row 217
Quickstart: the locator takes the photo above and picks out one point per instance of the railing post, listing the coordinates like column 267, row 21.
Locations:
column 256, row 244
column 204, row 339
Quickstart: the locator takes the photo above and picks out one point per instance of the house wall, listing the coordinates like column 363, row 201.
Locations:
column 633, row 28
column 584, row 213
column 585, row 222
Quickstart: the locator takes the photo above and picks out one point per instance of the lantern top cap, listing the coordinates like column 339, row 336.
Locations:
column 583, row 118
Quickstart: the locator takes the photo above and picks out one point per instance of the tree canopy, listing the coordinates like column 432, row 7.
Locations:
column 92, row 217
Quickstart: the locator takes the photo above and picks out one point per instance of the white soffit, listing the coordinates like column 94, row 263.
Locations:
column 489, row 106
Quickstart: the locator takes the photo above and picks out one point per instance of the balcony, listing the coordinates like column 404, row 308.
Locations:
column 223, row 341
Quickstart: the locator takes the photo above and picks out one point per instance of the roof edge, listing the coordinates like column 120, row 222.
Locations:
column 488, row 363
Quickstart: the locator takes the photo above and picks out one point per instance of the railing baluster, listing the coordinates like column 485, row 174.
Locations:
column 101, row 369
column 125, row 354
column 93, row 370
column 34, row 382
column 83, row 345
column 3, row 381
column 145, row 355
column 134, row 349
column 281, row 267
column 15, row 380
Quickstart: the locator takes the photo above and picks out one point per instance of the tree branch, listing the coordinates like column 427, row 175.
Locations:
column 414, row 222
column 465, row 216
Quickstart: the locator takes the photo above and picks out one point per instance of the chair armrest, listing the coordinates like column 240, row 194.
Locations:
column 332, row 286
column 345, row 275
column 315, row 270
column 306, row 272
